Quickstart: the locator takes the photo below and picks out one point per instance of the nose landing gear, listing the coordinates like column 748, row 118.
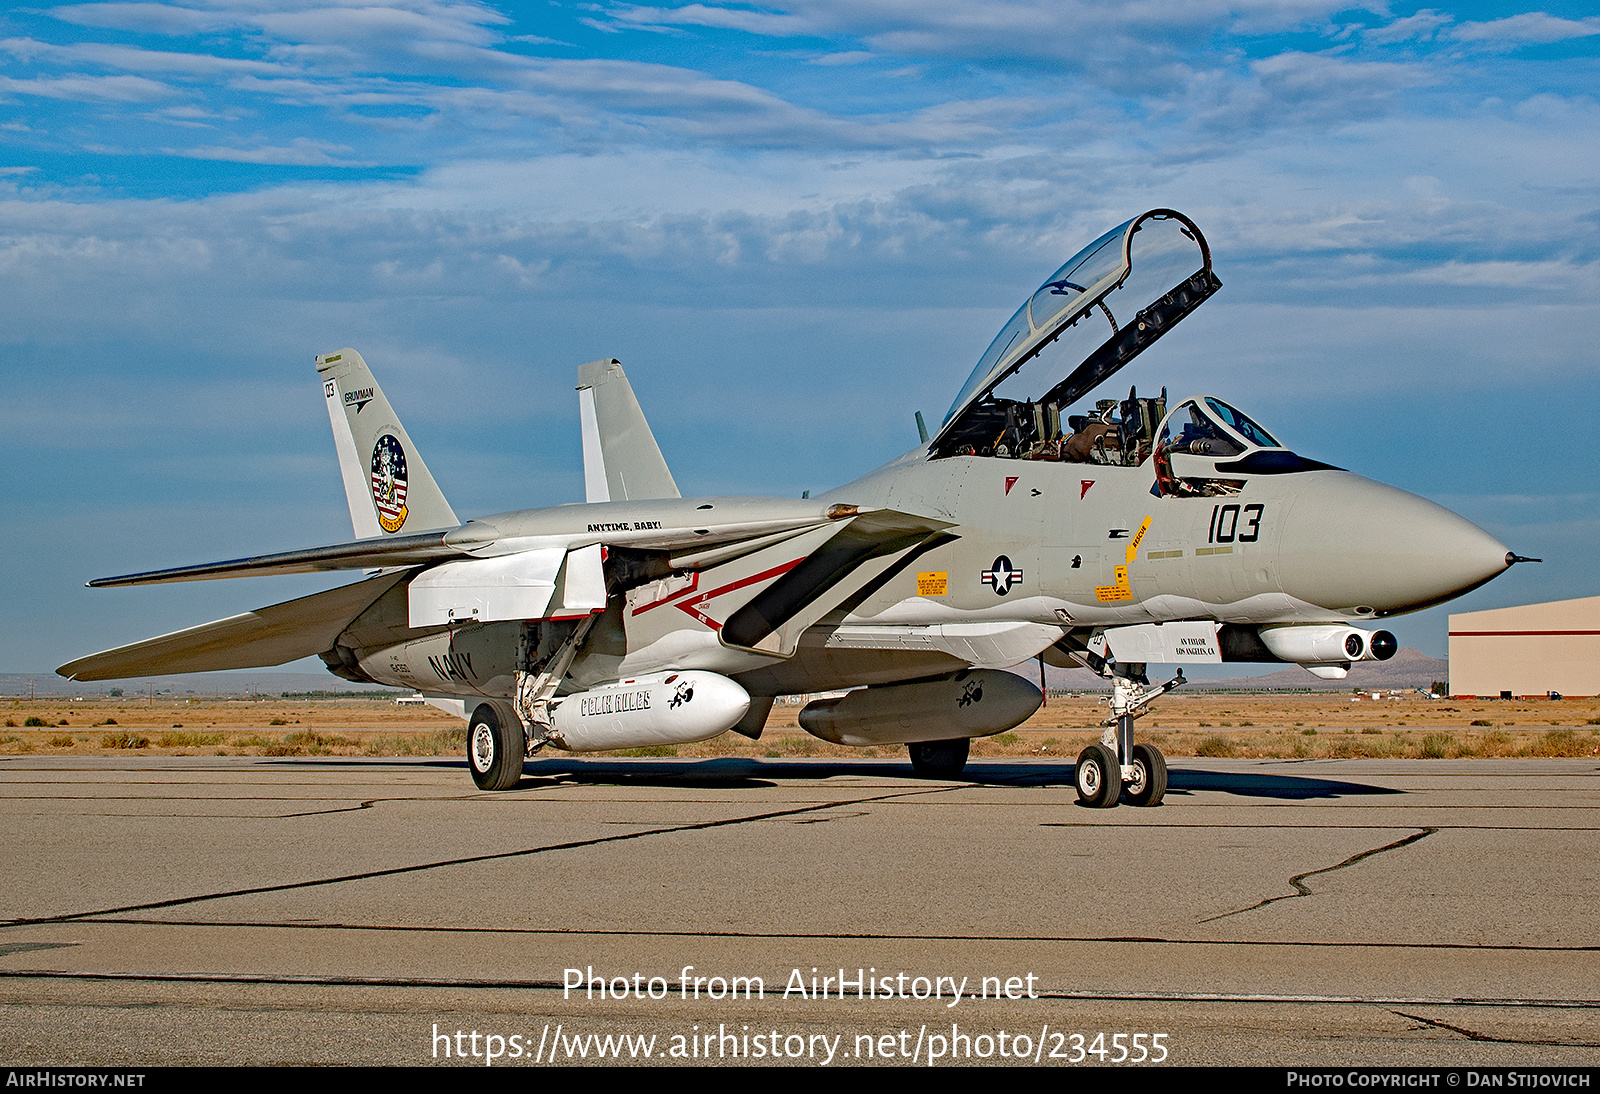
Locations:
column 1115, row 768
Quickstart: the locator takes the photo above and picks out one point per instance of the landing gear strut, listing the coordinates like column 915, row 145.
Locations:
column 1116, row 768
column 536, row 685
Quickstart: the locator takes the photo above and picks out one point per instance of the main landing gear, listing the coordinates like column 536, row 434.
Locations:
column 495, row 746
column 1115, row 768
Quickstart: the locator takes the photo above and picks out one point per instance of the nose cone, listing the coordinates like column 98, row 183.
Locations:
column 1350, row 542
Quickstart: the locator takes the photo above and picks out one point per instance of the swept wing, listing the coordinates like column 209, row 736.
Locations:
column 273, row 635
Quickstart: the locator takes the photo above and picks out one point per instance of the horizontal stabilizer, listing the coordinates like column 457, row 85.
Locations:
column 267, row 636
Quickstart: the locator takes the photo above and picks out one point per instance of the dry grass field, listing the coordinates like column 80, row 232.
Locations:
column 1196, row 724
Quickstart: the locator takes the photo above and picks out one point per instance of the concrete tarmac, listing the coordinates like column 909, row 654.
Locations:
column 254, row 910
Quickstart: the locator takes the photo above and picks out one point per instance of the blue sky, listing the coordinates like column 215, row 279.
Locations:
column 796, row 223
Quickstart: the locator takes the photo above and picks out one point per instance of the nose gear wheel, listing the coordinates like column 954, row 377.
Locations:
column 1098, row 777
column 1148, row 782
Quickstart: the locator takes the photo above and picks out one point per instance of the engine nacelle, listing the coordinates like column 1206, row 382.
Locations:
column 1327, row 643
column 660, row 709
column 974, row 703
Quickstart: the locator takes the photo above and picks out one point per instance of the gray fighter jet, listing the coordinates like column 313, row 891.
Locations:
column 1112, row 534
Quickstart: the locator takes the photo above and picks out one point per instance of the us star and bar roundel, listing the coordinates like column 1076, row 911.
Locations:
column 1001, row 575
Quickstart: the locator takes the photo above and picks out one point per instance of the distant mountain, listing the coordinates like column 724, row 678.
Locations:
column 194, row 683
column 1408, row 668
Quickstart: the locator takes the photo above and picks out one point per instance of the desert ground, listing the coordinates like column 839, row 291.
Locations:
column 1330, row 725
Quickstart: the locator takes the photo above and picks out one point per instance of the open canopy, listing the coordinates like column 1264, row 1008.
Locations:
column 1103, row 307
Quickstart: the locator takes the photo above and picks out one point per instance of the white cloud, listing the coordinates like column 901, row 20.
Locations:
column 1422, row 26
column 441, row 74
column 168, row 19
column 710, row 15
column 387, row 24
column 847, row 57
column 1001, row 31
column 1294, row 76
column 301, row 151
column 1308, row 92
column 395, row 35
column 1528, row 28
column 133, row 59
column 642, row 184
column 79, row 88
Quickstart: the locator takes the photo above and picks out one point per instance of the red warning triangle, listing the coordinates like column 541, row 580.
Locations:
column 1084, row 484
column 1011, row 480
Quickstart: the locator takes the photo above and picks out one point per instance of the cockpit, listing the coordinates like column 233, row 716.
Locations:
column 1094, row 315
column 1119, row 434
column 1207, row 448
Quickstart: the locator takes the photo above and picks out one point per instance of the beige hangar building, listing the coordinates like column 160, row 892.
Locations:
column 1531, row 649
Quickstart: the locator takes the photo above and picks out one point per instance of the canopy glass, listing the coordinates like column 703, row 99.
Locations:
column 1103, row 307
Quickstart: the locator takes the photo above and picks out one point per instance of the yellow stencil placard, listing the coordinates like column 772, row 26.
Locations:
column 1107, row 594
column 1133, row 544
column 1120, row 591
column 933, row 583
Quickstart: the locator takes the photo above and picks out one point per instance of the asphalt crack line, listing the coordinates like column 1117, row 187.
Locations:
column 9, row 948
column 1234, row 998
column 231, row 816
column 1298, row 881
column 1474, row 1035
column 465, row 861
column 368, row 804
column 825, row 820
column 833, row 935
column 1202, row 826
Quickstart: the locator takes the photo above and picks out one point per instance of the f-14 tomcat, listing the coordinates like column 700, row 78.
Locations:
column 1110, row 534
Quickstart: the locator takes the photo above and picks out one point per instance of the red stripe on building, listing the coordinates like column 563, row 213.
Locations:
column 1508, row 634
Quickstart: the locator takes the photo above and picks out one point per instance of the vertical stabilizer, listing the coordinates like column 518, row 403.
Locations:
column 621, row 460
column 388, row 486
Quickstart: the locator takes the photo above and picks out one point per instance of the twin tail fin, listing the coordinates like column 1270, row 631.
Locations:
column 389, row 488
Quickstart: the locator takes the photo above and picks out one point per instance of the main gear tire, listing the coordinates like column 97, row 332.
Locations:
column 494, row 748
column 1148, row 785
column 939, row 759
column 1098, row 777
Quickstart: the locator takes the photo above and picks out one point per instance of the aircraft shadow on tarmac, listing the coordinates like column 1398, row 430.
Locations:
column 734, row 773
